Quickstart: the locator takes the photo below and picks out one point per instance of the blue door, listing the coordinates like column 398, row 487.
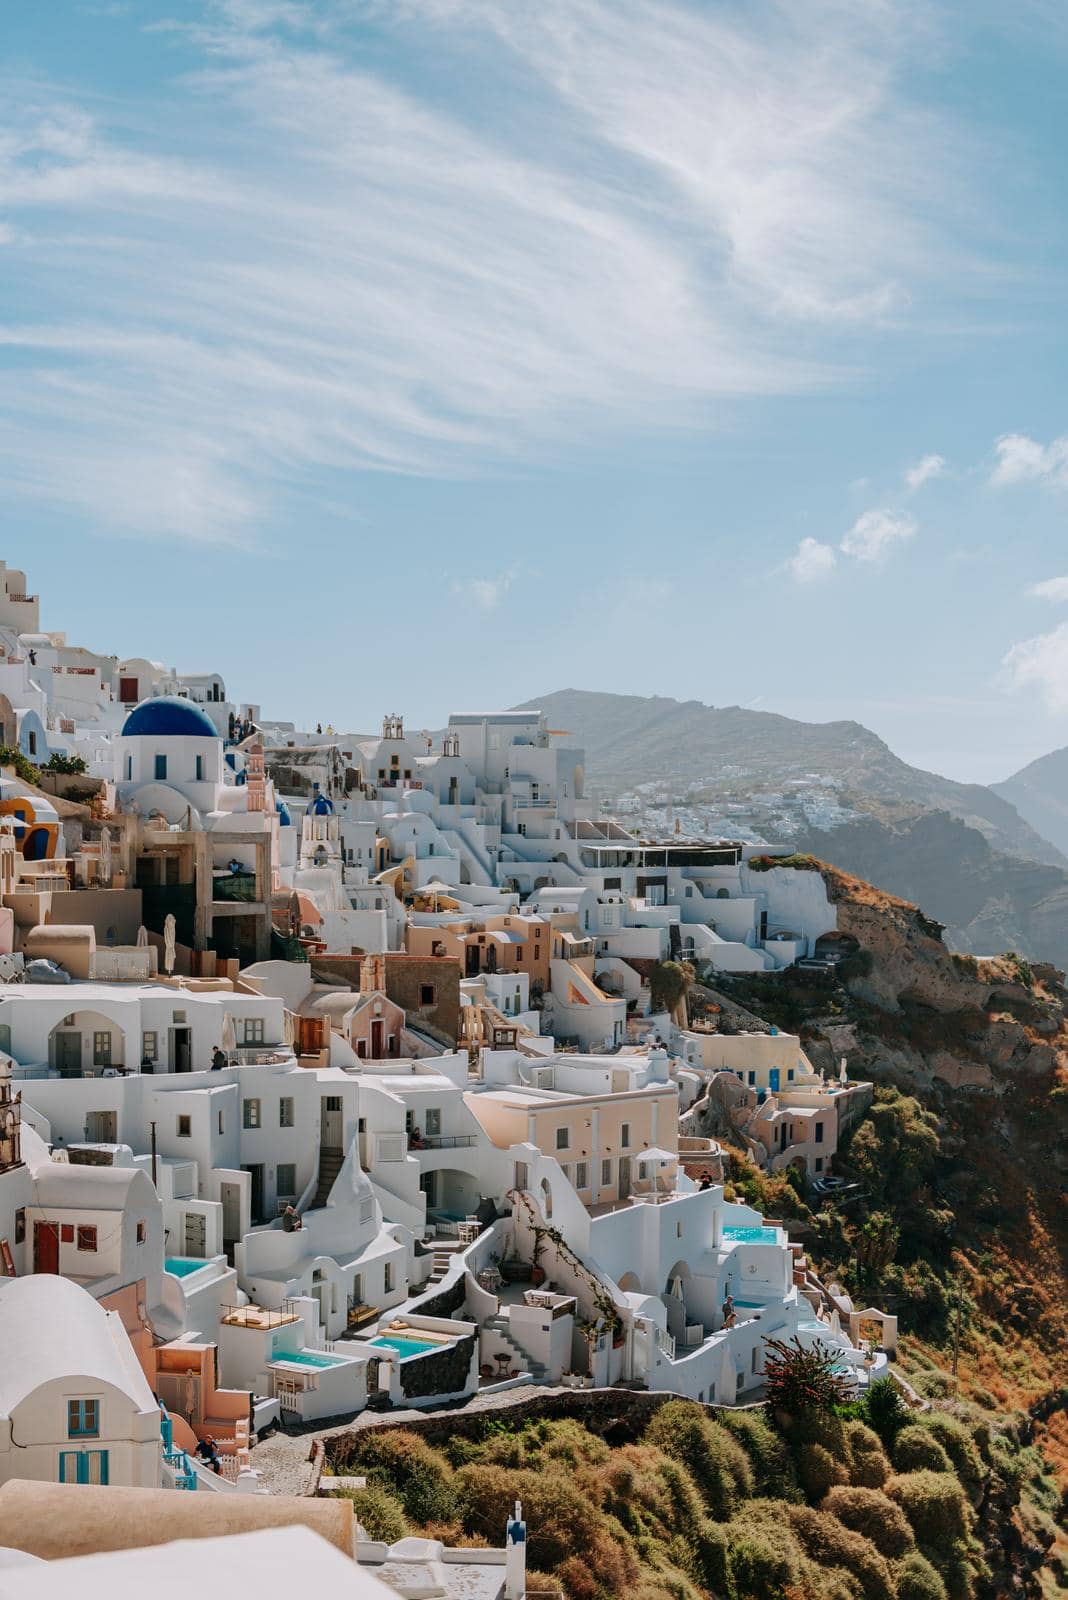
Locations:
column 773, row 1080
column 83, row 1466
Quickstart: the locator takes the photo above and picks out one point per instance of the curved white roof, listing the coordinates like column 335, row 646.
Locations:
column 60, row 1183
column 50, row 1328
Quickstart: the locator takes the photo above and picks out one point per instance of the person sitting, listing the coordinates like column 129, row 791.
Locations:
column 218, row 1059
column 730, row 1316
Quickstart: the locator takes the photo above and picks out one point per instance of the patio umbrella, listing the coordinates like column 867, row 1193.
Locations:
column 229, row 1033
column 105, row 855
column 142, row 937
column 168, row 943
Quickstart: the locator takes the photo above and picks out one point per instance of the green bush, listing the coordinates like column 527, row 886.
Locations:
column 885, row 1409
column 819, row 1471
column 872, row 1513
column 916, row 1448
column 958, row 1444
column 918, row 1580
column 377, row 1511
column 764, row 1560
column 774, row 1473
column 935, row 1504
column 561, row 1521
column 713, row 1457
column 827, row 1542
column 406, row 1466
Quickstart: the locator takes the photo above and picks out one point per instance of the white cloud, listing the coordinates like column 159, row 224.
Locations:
column 928, row 467
column 670, row 206
column 1041, row 664
column 812, row 561
column 875, row 532
column 486, row 592
column 1050, row 589
column 1024, row 460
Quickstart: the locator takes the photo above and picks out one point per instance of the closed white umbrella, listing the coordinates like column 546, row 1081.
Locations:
column 229, row 1033
column 105, row 856
column 168, row 943
column 142, row 937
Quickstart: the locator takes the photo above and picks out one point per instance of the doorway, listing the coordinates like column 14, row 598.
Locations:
column 376, row 1039
column 330, row 1122
column 46, row 1247
column 256, row 1191
column 101, row 1127
column 230, row 1195
column 624, row 1177
column 69, row 1054
column 194, row 1234
column 181, row 1050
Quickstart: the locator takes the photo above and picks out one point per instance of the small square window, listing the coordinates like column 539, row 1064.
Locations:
column 83, row 1419
column 87, row 1238
column 66, row 1233
column 426, row 994
column 185, row 1127
column 142, row 1232
column 251, row 1113
column 254, row 1030
column 563, row 1138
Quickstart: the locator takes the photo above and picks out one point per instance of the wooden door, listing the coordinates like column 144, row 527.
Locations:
column 230, row 1195
column 46, row 1247
column 330, row 1122
column 68, row 1053
column 195, row 1239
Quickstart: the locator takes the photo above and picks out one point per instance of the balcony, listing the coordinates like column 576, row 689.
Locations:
column 442, row 1141
column 235, row 886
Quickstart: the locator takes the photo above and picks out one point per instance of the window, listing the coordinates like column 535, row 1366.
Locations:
column 102, row 1049
column 582, row 1175
column 357, row 1289
column 129, row 768
column 251, row 1113
column 819, row 1163
column 161, row 768
column 426, row 994
column 537, row 952
column 222, row 1122
column 563, row 1138
column 200, row 769
column 751, row 1078
column 66, row 1233
column 254, row 1030
column 624, row 1136
column 789, row 1074
column 20, row 1225
column 150, row 1046
column 433, row 1121
column 142, row 1231
column 87, row 1238
column 33, row 744
column 285, row 1113
column 287, row 1179
column 83, row 1419
column 185, row 1127
column 606, row 1174
column 819, row 1133
column 387, row 1278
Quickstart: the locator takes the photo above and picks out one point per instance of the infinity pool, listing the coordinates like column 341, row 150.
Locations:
column 182, row 1266
column 408, row 1347
column 305, row 1358
column 750, row 1235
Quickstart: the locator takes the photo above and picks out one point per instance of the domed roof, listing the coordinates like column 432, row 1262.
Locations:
column 284, row 818
column 168, row 717
column 321, row 806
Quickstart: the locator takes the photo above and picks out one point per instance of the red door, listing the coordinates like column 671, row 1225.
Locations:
column 128, row 691
column 46, row 1247
column 376, row 1039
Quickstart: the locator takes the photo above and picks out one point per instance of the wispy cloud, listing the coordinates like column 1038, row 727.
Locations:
column 362, row 277
column 1041, row 665
column 1023, row 460
column 486, row 592
column 928, row 467
column 874, row 534
column 1049, row 589
column 812, row 561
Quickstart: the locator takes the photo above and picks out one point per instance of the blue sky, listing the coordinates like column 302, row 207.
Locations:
column 433, row 354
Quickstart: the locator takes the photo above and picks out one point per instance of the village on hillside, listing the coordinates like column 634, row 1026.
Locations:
column 344, row 1075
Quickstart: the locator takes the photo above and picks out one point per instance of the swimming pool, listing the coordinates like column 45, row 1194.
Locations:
column 305, row 1358
column 182, row 1266
column 408, row 1347
column 750, row 1236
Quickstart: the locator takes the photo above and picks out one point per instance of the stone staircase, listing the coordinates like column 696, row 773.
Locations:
column 331, row 1161
column 443, row 1254
column 522, row 1361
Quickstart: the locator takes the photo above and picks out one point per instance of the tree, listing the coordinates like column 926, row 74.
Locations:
column 669, row 984
column 69, row 766
column 876, row 1246
column 800, row 1379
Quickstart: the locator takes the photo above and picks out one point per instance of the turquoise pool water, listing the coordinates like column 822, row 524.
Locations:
column 304, row 1358
column 750, row 1235
column 408, row 1347
column 182, row 1266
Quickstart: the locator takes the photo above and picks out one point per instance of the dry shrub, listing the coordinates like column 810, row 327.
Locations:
column 773, row 1468
column 958, row 1444
column 560, row 1519
column 936, row 1506
column 819, row 1471
column 713, row 1457
column 407, row 1466
column 873, row 1514
column 916, row 1448
column 546, row 1583
column 869, row 1468
column 827, row 1542
column 378, row 1512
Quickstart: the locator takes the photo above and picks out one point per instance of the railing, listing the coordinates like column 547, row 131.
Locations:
column 443, row 1141
column 666, row 1343
column 240, row 886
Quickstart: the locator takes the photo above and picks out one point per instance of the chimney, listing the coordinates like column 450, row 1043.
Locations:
column 515, row 1555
